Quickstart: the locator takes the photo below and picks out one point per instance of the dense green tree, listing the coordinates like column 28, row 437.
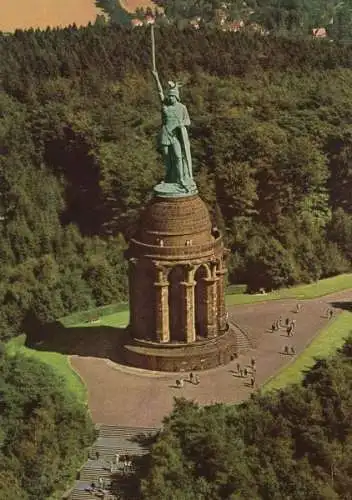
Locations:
column 79, row 123
column 44, row 430
column 291, row 444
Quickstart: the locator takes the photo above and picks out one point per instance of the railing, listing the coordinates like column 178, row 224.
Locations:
column 177, row 251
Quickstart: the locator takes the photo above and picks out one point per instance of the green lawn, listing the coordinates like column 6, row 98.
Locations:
column 117, row 319
column 300, row 292
column 59, row 362
column 325, row 343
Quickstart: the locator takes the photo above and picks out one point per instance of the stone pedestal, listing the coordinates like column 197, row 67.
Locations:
column 177, row 285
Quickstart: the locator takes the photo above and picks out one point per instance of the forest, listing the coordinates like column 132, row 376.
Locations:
column 271, row 141
column 45, row 431
column 295, row 443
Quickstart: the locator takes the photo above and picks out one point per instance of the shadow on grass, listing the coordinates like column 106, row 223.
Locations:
column 344, row 305
column 96, row 341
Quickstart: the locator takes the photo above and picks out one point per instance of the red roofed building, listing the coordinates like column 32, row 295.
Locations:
column 149, row 19
column 136, row 22
column 319, row 33
column 234, row 26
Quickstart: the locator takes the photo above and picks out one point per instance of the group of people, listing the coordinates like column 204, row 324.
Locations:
column 100, row 490
column 244, row 372
column 193, row 379
column 289, row 324
column 123, row 462
column 329, row 313
column 289, row 349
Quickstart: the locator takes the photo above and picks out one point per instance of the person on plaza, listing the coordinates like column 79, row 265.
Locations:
column 293, row 350
column 179, row 383
column 252, row 381
column 298, row 307
column 191, row 378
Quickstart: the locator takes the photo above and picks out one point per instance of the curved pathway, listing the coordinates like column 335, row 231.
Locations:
column 133, row 397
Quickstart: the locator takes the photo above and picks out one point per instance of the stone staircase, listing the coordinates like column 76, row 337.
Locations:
column 112, row 439
column 242, row 340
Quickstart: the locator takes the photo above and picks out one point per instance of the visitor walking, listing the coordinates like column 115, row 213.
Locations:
column 289, row 331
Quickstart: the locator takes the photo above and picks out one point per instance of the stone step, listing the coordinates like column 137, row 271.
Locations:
column 111, row 440
column 114, row 430
column 243, row 342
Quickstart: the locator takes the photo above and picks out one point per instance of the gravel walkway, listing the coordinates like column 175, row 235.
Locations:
column 132, row 397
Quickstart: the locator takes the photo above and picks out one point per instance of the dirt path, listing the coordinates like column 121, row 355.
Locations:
column 133, row 397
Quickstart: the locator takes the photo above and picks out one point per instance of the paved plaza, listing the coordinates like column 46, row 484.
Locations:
column 127, row 396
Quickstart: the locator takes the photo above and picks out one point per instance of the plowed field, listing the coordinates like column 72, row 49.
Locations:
column 25, row 14
column 132, row 5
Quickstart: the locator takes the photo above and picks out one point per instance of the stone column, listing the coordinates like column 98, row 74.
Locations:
column 162, row 306
column 221, row 273
column 189, row 330
column 211, row 327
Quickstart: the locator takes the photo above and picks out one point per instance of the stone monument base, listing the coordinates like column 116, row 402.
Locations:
column 174, row 190
column 181, row 357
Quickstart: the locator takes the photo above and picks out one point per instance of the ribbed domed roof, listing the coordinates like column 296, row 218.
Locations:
column 175, row 219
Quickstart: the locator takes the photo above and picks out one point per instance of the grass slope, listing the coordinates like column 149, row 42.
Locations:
column 59, row 362
column 300, row 292
column 324, row 344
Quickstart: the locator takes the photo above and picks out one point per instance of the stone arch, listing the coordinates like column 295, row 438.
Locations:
column 206, row 267
column 201, row 299
column 176, row 313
